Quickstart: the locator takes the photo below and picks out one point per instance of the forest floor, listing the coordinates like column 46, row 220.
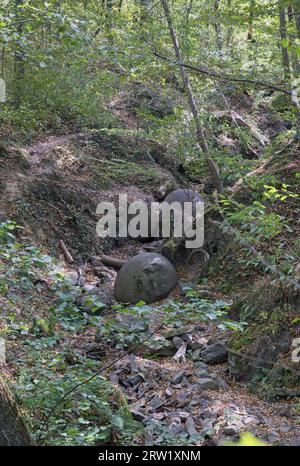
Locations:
column 52, row 188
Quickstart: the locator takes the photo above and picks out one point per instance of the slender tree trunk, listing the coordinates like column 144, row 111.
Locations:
column 19, row 66
column 217, row 26
column 13, row 431
column 230, row 27
column 251, row 18
column 297, row 17
column 284, row 50
column 295, row 60
column 213, row 168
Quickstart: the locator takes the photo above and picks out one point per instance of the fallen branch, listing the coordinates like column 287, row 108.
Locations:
column 180, row 355
column 66, row 252
column 257, row 171
column 223, row 77
column 112, row 261
column 236, row 187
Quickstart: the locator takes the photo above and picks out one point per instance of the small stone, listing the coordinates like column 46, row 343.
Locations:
column 178, row 377
column 230, row 431
column 169, row 392
column 183, row 415
column 194, row 403
column 190, row 426
column 187, row 337
column 137, row 414
column 134, row 380
column 156, row 403
column 196, row 355
column 198, row 343
column 177, row 429
column 208, row 432
column 209, row 414
column 157, row 346
column 223, row 385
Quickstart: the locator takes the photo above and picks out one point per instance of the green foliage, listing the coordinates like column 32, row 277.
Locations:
column 258, row 221
column 97, row 414
column 176, row 314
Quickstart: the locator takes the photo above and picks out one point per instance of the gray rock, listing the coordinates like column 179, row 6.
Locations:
column 196, row 355
column 185, row 286
column 178, row 429
column 222, row 384
column 215, row 353
column 230, row 431
column 209, row 414
column 156, row 403
column 195, row 345
column 178, row 331
column 202, row 373
column 147, row 277
column 135, row 379
column 201, row 365
column 96, row 300
column 190, row 426
column 156, row 346
column 208, row 384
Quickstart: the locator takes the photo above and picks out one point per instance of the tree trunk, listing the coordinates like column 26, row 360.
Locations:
column 211, row 165
column 251, row 17
column 13, row 431
column 217, row 26
column 297, row 18
column 284, row 50
column 230, row 27
column 19, row 68
column 295, row 60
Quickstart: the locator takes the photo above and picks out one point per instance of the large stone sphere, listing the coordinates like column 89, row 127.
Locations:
column 184, row 195
column 147, row 277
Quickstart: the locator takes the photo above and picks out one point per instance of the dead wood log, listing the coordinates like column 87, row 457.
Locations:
column 66, row 252
column 13, row 430
column 112, row 261
column 180, row 355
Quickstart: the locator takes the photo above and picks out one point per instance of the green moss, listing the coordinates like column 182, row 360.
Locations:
column 280, row 382
column 107, row 171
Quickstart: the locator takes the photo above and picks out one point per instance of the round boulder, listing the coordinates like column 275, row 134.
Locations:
column 147, row 277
